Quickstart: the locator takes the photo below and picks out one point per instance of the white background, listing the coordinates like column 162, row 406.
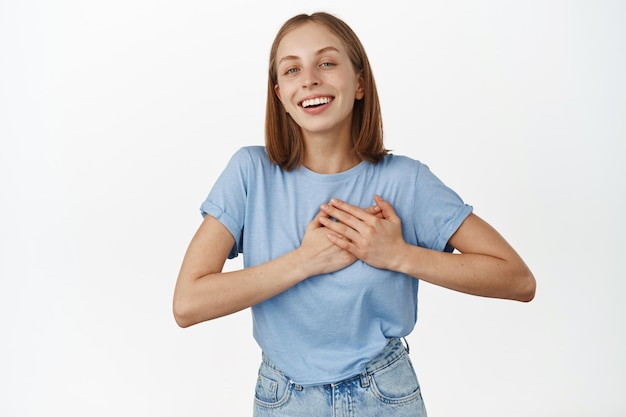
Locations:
column 116, row 117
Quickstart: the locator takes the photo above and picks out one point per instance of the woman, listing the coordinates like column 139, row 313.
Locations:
column 336, row 233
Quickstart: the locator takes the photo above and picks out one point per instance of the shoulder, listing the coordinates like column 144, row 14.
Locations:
column 401, row 164
column 251, row 153
column 251, row 156
column 409, row 171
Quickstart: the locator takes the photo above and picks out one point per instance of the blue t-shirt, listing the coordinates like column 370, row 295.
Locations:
column 327, row 327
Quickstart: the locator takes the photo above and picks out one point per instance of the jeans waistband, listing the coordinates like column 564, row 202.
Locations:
column 392, row 351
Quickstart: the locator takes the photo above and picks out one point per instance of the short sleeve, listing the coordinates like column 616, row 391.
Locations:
column 439, row 211
column 227, row 199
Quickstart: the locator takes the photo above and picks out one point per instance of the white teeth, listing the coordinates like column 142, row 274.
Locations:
column 316, row 101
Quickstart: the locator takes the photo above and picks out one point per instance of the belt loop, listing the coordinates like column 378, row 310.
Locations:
column 407, row 344
column 365, row 379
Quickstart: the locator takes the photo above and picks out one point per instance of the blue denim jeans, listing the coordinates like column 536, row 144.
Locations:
column 387, row 387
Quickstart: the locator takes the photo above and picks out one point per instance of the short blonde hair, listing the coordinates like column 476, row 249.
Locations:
column 283, row 137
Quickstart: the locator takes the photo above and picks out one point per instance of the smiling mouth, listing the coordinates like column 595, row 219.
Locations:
column 314, row 102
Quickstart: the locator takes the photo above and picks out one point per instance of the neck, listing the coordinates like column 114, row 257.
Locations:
column 328, row 155
column 331, row 164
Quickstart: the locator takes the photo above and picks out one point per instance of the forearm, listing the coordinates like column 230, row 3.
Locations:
column 476, row 274
column 203, row 292
column 487, row 265
column 209, row 296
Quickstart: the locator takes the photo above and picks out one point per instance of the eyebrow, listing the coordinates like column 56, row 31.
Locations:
column 320, row 52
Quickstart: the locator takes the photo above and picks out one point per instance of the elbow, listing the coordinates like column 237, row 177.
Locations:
column 188, row 312
column 180, row 318
column 527, row 287
column 182, row 314
column 182, row 322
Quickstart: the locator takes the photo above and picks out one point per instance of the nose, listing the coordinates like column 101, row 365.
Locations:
column 310, row 78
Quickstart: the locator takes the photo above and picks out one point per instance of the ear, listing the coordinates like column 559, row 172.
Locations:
column 277, row 91
column 360, row 87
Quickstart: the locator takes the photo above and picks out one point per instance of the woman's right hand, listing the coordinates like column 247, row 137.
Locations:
column 318, row 255
column 203, row 292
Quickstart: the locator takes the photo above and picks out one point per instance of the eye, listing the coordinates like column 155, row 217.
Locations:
column 291, row 70
column 327, row 64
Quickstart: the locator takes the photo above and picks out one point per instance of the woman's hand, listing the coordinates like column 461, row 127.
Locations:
column 486, row 266
column 373, row 235
column 319, row 255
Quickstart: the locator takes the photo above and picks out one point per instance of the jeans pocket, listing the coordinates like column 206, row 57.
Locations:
column 272, row 388
column 396, row 383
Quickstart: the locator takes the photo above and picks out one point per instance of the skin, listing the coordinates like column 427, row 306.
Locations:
column 313, row 63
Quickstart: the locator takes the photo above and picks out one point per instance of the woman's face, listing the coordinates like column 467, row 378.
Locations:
column 317, row 83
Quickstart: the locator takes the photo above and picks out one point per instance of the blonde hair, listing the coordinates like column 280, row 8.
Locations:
column 283, row 137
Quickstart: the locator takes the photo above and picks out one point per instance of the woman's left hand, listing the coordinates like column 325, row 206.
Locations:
column 376, row 239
